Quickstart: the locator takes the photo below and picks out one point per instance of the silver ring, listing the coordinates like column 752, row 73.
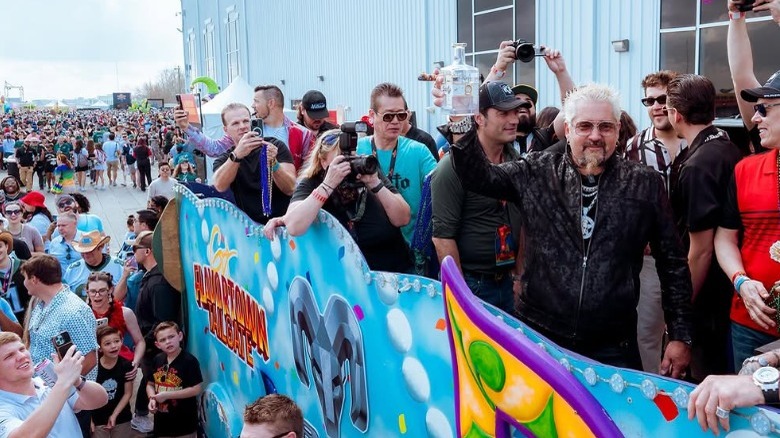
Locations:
column 722, row 413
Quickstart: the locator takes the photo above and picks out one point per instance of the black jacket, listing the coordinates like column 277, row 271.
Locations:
column 578, row 297
column 157, row 302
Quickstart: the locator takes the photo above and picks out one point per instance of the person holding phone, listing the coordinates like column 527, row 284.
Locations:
column 55, row 311
column 46, row 411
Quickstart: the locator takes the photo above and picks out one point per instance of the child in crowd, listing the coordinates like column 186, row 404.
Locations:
column 174, row 385
column 184, row 172
column 127, row 243
column 113, row 419
column 64, row 174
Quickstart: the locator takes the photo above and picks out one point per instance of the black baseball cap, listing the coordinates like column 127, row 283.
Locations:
column 527, row 90
column 770, row 90
column 497, row 95
column 315, row 104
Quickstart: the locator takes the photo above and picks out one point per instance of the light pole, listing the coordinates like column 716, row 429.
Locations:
column 179, row 84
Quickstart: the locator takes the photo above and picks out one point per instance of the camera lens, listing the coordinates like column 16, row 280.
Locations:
column 525, row 52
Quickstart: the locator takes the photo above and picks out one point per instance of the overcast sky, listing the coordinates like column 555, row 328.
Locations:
column 61, row 49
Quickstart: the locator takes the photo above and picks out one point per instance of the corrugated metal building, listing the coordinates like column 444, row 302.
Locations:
column 345, row 47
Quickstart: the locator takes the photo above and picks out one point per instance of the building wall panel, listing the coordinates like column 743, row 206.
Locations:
column 583, row 31
column 352, row 45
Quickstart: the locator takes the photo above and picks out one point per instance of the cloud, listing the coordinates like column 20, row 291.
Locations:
column 73, row 48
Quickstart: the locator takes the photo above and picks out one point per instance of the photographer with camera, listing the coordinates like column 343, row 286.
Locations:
column 405, row 162
column 531, row 138
column 367, row 204
column 239, row 169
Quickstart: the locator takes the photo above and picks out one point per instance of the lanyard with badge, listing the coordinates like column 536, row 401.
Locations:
column 505, row 242
column 390, row 169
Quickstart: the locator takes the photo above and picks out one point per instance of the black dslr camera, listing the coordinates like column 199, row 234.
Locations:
column 359, row 164
column 526, row 51
column 746, row 5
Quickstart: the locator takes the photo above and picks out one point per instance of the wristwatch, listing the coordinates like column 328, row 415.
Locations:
column 81, row 385
column 767, row 379
column 233, row 157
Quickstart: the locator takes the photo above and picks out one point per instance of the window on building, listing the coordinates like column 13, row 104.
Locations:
column 233, row 62
column 192, row 54
column 693, row 40
column 209, row 49
column 483, row 24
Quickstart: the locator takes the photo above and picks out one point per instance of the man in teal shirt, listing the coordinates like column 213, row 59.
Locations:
column 405, row 162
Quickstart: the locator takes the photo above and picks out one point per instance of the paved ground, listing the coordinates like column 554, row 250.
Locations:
column 113, row 205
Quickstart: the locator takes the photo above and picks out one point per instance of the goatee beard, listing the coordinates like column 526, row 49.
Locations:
column 526, row 123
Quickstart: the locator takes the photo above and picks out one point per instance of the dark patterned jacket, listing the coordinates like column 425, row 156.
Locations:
column 578, row 295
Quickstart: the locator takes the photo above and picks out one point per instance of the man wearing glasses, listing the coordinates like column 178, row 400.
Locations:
column 699, row 179
column 588, row 217
column 740, row 56
column 749, row 230
column 404, row 162
column 656, row 146
column 61, row 247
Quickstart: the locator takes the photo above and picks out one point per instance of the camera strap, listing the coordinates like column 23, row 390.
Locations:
column 391, row 169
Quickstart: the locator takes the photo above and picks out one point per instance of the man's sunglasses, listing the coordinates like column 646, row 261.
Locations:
column 65, row 204
column 650, row 101
column 760, row 108
column 388, row 117
column 13, row 212
column 137, row 247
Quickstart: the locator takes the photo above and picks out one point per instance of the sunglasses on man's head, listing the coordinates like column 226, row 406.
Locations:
column 760, row 108
column 388, row 117
column 650, row 101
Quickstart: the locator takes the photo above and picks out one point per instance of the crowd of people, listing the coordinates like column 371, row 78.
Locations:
column 656, row 250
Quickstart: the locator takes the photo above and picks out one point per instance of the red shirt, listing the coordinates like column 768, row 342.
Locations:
column 759, row 214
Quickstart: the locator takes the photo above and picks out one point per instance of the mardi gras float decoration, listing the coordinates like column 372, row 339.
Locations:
column 383, row 354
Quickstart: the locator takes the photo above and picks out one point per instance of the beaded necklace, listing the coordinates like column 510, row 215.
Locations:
column 266, row 181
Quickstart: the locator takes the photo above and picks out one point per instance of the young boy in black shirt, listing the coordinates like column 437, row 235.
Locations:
column 174, row 385
column 113, row 419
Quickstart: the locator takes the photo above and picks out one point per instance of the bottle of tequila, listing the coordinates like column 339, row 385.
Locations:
column 461, row 84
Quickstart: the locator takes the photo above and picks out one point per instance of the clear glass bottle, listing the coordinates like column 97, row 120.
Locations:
column 461, row 84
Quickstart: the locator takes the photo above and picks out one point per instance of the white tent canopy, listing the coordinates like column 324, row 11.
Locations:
column 55, row 103
column 99, row 104
column 238, row 91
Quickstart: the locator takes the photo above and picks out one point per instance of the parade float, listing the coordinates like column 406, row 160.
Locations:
column 385, row 354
